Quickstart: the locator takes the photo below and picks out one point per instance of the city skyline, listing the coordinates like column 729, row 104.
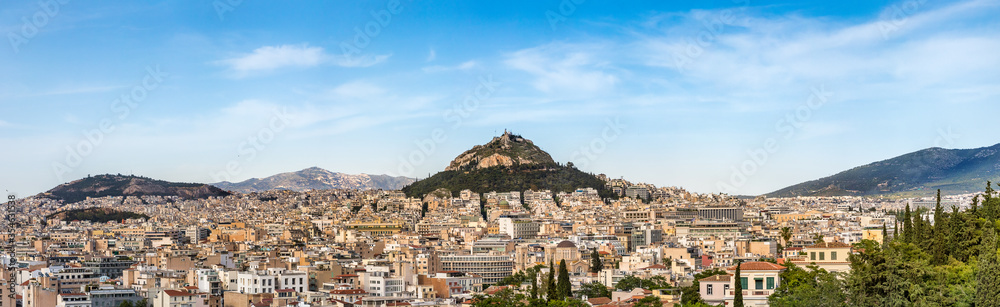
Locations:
column 666, row 94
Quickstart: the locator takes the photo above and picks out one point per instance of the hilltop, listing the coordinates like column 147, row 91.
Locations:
column 122, row 185
column 920, row 173
column 507, row 163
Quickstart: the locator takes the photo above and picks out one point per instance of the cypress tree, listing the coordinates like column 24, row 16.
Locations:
column 534, row 285
column 550, row 284
column 564, row 286
column 907, row 226
column 918, row 229
column 595, row 262
column 738, row 300
column 988, row 275
column 885, row 235
column 939, row 255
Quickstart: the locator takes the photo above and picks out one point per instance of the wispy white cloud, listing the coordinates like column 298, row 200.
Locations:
column 439, row 68
column 431, row 55
column 269, row 58
column 564, row 68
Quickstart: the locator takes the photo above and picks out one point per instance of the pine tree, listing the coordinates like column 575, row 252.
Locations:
column 988, row 275
column 907, row 225
column 975, row 204
column 564, row 286
column 738, row 300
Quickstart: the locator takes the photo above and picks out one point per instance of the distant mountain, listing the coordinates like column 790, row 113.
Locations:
column 507, row 163
column 315, row 178
column 921, row 173
column 119, row 185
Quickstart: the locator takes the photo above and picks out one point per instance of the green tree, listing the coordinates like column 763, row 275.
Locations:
column 534, row 287
column 738, row 299
column 649, row 301
column 502, row 298
column 786, row 234
column 939, row 252
column 818, row 238
column 988, row 277
column 550, row 284
column 812, row 287
column 907, row 225
column 594, row 289
column 596, row 265
column 142, row 303
column 865, row 284
column 126, row 304
column 563, row 284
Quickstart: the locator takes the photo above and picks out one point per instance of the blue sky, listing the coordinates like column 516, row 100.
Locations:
column 725, row 96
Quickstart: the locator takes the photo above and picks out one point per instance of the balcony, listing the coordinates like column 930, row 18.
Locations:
column 753, row 293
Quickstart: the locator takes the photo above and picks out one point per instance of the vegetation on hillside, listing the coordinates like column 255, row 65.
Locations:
column 95, row 215
column 128, row 185
column 555, row 177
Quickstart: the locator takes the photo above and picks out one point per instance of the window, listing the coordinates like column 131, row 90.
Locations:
column 744, row 283
column 709, row 290
column 770, row 283
column 812, row 255
column 833, row 255
column 758, row 283
column 822, row 255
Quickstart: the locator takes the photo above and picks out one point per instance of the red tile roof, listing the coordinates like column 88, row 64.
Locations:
column 723, row 277
column 758, row 266
column 177, row 293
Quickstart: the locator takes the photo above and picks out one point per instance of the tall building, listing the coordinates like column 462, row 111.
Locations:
column 518, row 227
column 491, row 268
column 734, row 214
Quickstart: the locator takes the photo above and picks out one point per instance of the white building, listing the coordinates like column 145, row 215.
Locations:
column 255, row 282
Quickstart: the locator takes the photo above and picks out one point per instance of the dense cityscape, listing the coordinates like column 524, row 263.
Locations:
column 520, row 153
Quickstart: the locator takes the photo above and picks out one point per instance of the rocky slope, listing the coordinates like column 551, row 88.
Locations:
column 507, row 163
column 505, row 150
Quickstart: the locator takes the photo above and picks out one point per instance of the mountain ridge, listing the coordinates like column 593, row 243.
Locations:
column 919, row 173
column 315, row 178
column 127, row 185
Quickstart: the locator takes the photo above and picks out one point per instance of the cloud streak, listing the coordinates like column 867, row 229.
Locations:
column 270, row 58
